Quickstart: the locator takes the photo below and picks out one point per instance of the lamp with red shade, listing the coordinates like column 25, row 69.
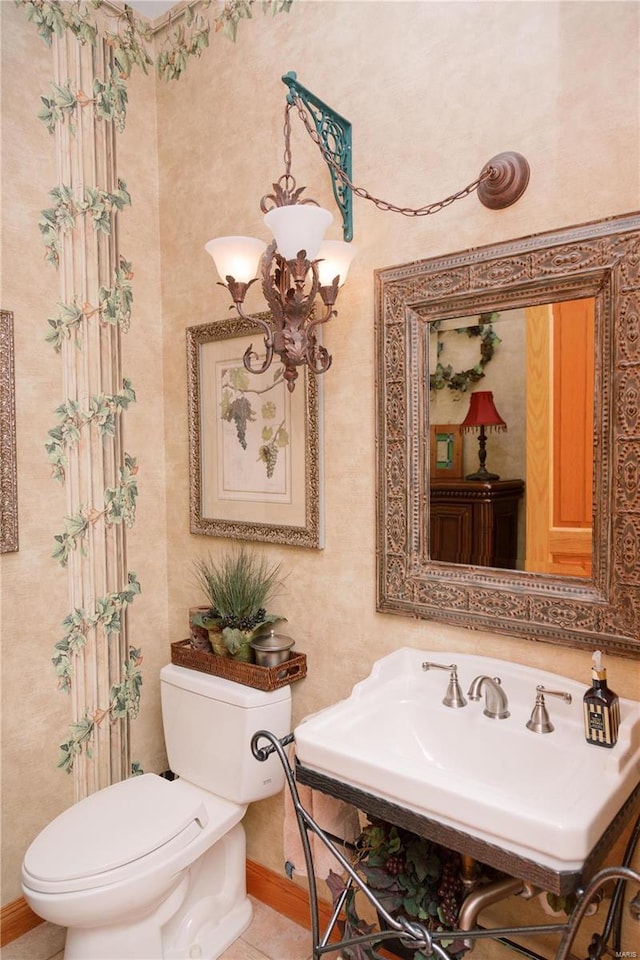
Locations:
column 482, row 413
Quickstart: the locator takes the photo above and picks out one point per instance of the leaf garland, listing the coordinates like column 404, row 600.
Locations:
column 60, row 219
column 114, row 308
column 109, row 102
column 124, row 697
column 463, row 379
column 53, row 19
column 124, row 700
column 103, row 410
column 130, row 41
column 119, row 507
column 78, row 623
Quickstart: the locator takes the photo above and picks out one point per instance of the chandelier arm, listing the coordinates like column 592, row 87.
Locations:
column 268, row 332
column 328, row 313
column 250, row 352
column 321, row 364
column 508, row 172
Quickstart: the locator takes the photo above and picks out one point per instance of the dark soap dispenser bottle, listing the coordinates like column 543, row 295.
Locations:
column 601, row 708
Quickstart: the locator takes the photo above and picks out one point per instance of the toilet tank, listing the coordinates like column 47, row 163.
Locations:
column 208, row 725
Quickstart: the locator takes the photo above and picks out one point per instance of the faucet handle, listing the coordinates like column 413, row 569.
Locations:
column 540, row 689
column 539, row 721
column 454, row 696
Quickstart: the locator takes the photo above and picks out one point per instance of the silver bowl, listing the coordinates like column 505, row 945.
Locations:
column 271, row 649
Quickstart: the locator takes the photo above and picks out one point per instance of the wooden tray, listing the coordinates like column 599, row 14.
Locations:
column 250, row 674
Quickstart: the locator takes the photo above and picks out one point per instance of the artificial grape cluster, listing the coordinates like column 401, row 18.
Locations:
column 242, row 623
column 394, row 865
column 450, row 887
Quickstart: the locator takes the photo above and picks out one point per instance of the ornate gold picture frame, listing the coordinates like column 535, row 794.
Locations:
column 8, row 464
column 255, row 449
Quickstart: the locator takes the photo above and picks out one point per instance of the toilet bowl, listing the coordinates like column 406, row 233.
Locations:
column 152, row 868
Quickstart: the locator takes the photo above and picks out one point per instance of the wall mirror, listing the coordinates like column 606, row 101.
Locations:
column 537, row 362
column 539, row 290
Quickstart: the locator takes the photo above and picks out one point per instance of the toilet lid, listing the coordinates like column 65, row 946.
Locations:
column 112, row 828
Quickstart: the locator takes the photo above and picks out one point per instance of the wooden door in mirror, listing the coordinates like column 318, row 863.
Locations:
column 599, row 260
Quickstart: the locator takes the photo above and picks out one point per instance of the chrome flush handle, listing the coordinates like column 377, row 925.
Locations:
column 454, row 696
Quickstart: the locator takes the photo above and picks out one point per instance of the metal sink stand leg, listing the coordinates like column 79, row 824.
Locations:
column 413, row 934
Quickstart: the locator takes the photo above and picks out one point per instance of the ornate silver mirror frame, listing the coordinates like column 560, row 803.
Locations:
column 600, row 260
column 8, row 465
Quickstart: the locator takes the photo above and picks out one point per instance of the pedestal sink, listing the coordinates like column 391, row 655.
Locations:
column 547, row 797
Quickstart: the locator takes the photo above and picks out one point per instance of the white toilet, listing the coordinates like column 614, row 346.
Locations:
column 151, row 868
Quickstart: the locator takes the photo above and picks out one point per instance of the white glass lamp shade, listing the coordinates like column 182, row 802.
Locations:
column 299, row 226
column 335, row 258
column 236, row 257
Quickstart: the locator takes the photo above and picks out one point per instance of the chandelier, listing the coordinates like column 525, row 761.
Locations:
column 299, row 267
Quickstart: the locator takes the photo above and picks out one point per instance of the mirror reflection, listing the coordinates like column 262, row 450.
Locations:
column 511, row 438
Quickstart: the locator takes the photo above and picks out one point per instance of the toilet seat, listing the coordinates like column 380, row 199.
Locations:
column 96, row 841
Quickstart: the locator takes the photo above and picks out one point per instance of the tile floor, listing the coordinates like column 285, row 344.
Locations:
column 270, row 937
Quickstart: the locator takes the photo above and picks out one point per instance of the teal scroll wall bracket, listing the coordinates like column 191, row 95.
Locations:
column 334, row 134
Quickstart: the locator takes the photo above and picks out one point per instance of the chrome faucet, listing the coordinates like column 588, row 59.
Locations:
column 454, row 696
column 496, row 704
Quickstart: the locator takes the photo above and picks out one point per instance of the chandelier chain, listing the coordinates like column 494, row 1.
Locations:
column 384, row 205
column 287, row 142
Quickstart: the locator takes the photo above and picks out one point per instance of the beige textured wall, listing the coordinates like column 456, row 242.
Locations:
column 33, row 589
column 433, row 91
column 34, row 592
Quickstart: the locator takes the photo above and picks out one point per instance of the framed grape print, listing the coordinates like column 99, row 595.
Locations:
column 255, row 448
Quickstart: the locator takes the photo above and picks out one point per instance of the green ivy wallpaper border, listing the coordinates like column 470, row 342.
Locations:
column 129, row 38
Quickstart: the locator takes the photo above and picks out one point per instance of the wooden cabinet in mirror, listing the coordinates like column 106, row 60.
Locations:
column 599, row 260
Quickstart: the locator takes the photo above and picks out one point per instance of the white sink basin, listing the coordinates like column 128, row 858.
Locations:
column 548, row 797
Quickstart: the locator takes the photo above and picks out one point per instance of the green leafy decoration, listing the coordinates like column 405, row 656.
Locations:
column 116, row 302
column 131, row 42
column 464, row 379
column 109, row 102
column 234, row 11
column 61, row 105
column 98, row 205
column 72, row 537
column 81, row 733
column 120, row 507
column 411, row 877
column 189, row 40
column 124, row 700
column 103, row 409
column 125, row 696
column 78, row 624
column 55, row 18
column 68, row 321
column 120, row 501
column 110, row 99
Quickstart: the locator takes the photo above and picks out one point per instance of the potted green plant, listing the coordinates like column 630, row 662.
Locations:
column 238, row 588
